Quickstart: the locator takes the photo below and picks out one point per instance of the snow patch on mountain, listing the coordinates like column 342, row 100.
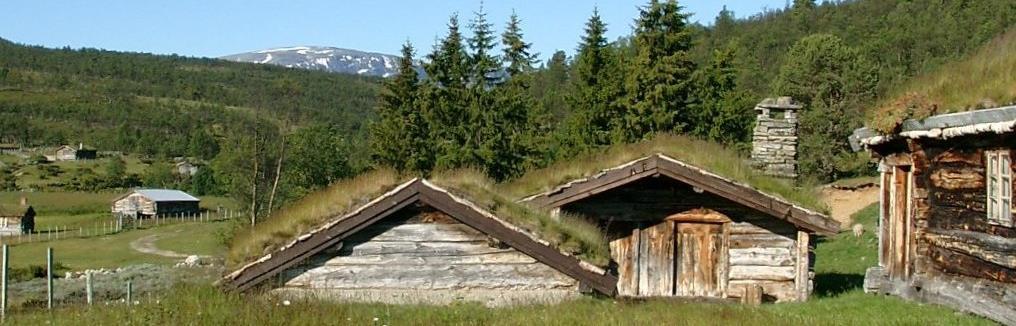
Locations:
column 326, row 59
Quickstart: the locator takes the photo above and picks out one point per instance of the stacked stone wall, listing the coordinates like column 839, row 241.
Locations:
column 774, row 140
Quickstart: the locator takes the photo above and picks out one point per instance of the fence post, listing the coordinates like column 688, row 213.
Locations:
column 3, row 285
column 130, row 288
column 49, row 278
column 88, row 287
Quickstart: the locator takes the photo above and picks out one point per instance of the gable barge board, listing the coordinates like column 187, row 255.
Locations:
column 598, row 183
column 320, row 241
column 571, row 266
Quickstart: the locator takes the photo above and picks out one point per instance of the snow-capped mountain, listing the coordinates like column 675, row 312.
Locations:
column 324, row 58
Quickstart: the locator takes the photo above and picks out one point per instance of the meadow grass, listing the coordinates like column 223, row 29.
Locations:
column 110, row 251
column 307, row 213
column 984, row 79
column 710, row 156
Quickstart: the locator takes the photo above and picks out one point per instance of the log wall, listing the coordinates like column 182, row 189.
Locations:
column 423, row 256
column 762, row 250
column 959, row 259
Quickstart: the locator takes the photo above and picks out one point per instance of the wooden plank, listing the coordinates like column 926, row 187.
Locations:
column 723, row 262
column 656, row 260
column 416, row 249
column 761, row 257
column 625, row 252
column 424, row 277
column 599, row 184
column 419, row 231
column 760, row 240
column 494, row 256
column 994, row 249
column 763, row 273
column 958, row 263
column 802, row 279
column 749, row 228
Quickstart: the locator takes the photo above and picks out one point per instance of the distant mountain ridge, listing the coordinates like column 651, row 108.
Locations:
column 325, row 58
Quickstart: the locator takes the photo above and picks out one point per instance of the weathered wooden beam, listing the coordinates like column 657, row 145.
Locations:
column 802, row 277
column 994, row 249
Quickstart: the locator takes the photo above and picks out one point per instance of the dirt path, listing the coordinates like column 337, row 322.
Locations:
column 146, row 244
column 845, row 202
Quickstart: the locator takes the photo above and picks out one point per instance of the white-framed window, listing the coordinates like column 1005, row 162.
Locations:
column 999, row 183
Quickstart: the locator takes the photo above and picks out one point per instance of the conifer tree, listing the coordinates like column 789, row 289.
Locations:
column 658, row 85
column 482, row 61
column 399, row 138
column 595, row 89
column 443, row 97
column 516, row 51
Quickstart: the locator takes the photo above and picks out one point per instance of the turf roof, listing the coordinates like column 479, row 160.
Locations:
column 984, row 79
column 706, row 155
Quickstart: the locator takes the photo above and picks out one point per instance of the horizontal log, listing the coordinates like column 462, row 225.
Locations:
column 761, row 257
column 489, row 276
column 417, row 249
column 500, row 257
column 419, row 232
column 950, row 178
column 760, row 240
column 993, row 249
column 756, row 228
column 762, row 273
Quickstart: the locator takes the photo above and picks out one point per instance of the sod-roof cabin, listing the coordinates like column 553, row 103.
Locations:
column 678, row 230
column 947, row 231
column 420, row 243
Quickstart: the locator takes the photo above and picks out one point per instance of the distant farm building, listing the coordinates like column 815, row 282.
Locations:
column 947, row 232
column 420, row 243
column 8, row 148
column 15, row 220
column 677, row 230
column 70, row 153
column 155, row 202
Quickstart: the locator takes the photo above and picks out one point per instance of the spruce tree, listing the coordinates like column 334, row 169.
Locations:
column 595, row 89
column 444, row 99
column 399, row 138
column 516, row 51
column 482, row 61
column 658, row 85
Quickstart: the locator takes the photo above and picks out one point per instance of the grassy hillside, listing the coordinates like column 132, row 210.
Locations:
column 904, row 38
column 134, row 101
column 984, row 79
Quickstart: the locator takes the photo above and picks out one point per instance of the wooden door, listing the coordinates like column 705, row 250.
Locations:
column 656, row 260
column 699, row 263
column 899, row 228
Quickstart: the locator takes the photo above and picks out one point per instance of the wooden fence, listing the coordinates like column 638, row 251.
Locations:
column 113, row 225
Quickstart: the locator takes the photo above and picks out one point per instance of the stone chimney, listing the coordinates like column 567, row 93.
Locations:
column 24, row 201
column 774, row 141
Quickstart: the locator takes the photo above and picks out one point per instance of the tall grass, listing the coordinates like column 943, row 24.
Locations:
column 567, row 233
column 986, row 78
column 710, row 156
column 310, row 211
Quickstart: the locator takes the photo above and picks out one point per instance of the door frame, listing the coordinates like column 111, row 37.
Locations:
column 722, row 267
column 896, row 229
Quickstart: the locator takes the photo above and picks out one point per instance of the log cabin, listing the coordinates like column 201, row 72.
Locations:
column 142, row 203
column 678, row 230
column 420, row 243
column 946, row 231
column 70, row 153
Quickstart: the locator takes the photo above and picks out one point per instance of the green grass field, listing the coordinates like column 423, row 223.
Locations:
column 838, row 300
column 198, row 238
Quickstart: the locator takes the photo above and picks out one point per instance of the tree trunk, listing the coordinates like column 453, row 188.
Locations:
column 278, row 174
column 254, row 181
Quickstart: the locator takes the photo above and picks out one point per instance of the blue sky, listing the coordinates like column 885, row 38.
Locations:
column 213, row 28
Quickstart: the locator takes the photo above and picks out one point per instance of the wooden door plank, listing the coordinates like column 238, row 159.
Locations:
column 625, row 253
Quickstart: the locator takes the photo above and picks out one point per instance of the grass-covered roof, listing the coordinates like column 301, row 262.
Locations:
column 709, row 156
column 984, row 79
column 567, row 234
